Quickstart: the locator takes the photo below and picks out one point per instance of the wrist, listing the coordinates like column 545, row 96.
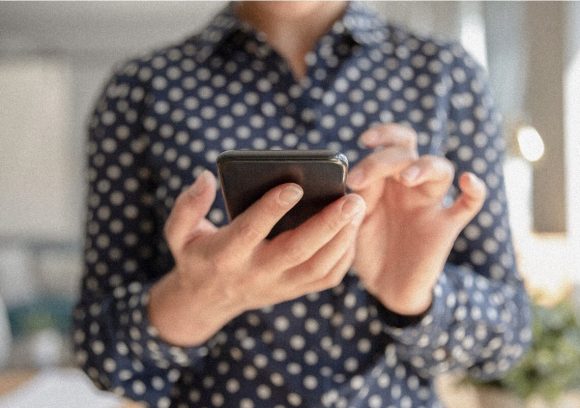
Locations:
column 413, row 304
column 187, row 315
column 404, row 301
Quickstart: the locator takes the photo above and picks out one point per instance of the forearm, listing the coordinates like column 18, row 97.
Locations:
column 188, row 316
column 120, row 350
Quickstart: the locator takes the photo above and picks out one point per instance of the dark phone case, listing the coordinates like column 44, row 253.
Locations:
column 246, row 175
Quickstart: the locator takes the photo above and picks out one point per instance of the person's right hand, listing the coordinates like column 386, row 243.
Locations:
column 220, row 273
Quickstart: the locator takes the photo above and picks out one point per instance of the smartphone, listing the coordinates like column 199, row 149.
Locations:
column 246, row 175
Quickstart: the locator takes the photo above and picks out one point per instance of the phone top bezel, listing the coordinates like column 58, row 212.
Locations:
column 285, row 155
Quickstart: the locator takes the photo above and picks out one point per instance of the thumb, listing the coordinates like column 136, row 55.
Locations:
column 190, row 209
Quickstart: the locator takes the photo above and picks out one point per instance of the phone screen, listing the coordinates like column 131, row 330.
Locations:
column 246, row 175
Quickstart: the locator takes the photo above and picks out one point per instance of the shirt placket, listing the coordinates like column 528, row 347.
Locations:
column 304, row 107
column 285, row 85
column 323, row 65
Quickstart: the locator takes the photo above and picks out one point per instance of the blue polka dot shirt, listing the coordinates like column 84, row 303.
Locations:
column 164, row 117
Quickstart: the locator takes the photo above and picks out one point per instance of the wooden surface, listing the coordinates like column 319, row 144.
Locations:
column 11, row 380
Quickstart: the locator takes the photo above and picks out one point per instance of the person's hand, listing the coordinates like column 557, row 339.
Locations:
column 220, row 273
column 407, row 233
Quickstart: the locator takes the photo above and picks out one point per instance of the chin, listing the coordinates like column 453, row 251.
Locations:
column 291, row 9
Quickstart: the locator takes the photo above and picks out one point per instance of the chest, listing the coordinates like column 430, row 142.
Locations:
column 252, row 104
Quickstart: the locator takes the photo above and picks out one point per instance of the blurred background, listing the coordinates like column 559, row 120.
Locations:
column 55, row 57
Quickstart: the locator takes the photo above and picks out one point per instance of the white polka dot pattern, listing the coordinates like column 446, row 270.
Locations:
column 165, row 117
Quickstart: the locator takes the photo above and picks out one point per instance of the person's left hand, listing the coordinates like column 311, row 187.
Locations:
column 407, row 233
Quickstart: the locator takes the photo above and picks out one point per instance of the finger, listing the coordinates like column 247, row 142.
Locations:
column 335, row 274
column 253, row 225
column 205, row 226
column 189, row 210
column 390, row 134
column 296, row 246
column 380, row 165
column 432, row 173
column 471, row 199
column 319, row 265
column 395, row 139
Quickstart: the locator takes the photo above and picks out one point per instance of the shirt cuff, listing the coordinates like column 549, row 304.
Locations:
column 146, row 343
column 412, row 329
column 399, row 321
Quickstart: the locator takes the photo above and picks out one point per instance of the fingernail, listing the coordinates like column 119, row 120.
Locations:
column 290, row 195
column 351, row 207
column 200, row 183
column 355, row 177
column 410, row 174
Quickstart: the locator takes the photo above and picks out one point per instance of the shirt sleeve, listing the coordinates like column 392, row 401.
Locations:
column 480, row 317
column 113, row 338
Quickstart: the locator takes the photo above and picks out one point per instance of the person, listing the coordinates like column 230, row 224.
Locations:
column 409, row 275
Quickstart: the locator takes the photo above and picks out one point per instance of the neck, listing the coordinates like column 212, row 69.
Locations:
column 292, row 34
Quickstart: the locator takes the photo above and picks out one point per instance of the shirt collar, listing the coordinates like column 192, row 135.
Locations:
column 219, row 28
column 364, row 24
column 359, row 21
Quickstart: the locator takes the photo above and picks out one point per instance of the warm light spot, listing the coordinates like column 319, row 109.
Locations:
column 530, row 143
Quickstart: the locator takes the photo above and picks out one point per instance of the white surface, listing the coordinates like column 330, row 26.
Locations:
column 59, row 388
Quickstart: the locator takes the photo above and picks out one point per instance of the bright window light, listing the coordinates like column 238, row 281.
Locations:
column 530, row 143
column 473, row 31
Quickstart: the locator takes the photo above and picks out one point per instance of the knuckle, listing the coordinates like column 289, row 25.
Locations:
column 294, row 254
column 318, row 272
column 446, row 167
column 406, row 135
column 247, row 230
